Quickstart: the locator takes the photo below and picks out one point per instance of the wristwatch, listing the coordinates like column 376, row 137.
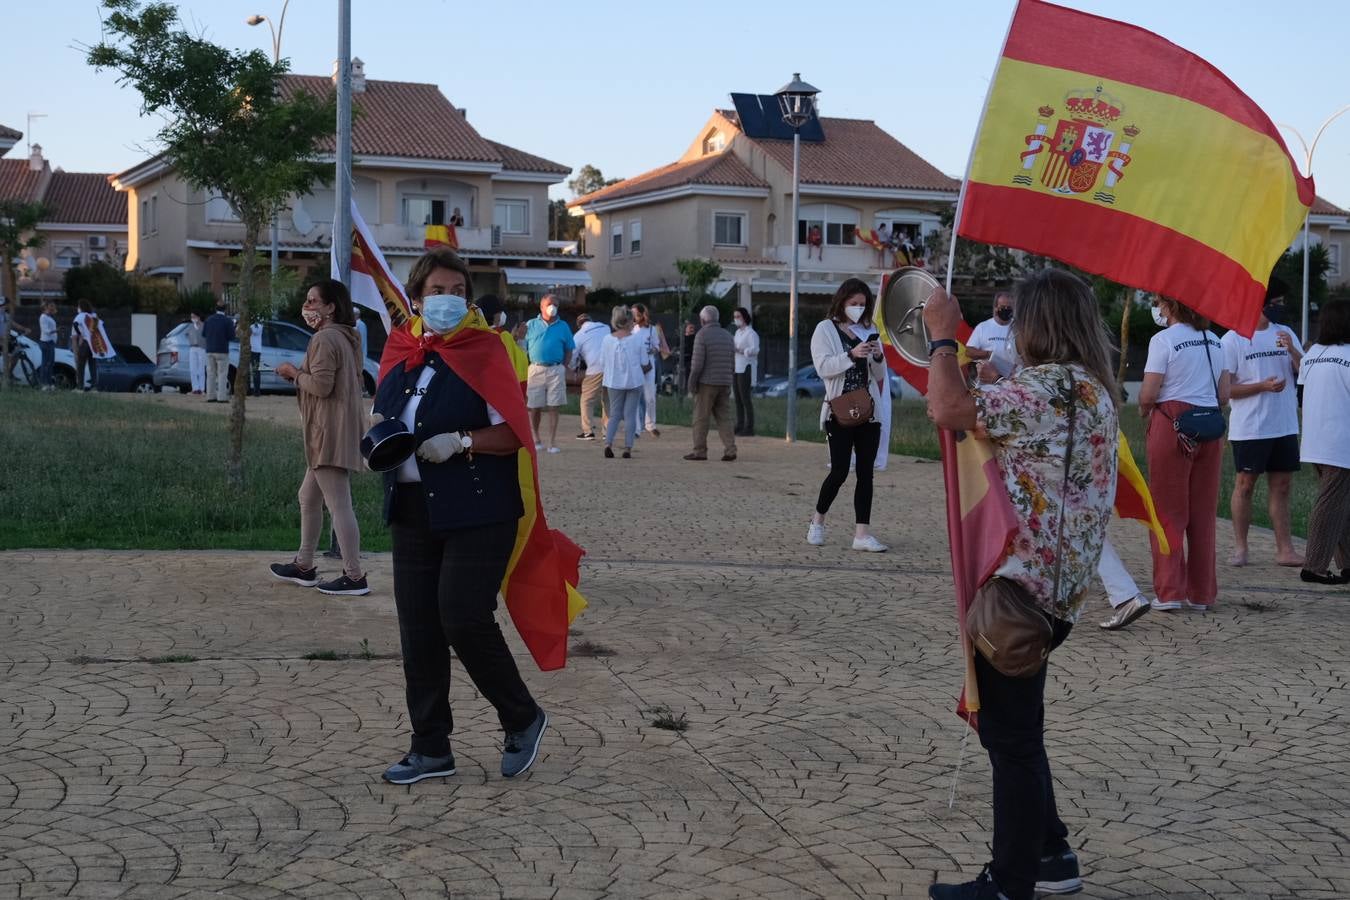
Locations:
column 466, row 441
column 941, row 342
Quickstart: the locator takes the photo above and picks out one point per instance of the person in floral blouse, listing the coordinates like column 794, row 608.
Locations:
column 1061, row 340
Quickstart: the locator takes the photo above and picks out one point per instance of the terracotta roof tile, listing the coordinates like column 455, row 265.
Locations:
column 10, row 133
column 1324, row 207
column 85, row 198
column 17, row 181
column 857, row 153
column 520, row 161
column 722, row 169
column 399, row 118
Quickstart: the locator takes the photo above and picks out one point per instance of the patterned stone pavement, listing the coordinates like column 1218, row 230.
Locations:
column 1196, row 755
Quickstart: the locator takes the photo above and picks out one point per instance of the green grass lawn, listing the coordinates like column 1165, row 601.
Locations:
column 84, row 471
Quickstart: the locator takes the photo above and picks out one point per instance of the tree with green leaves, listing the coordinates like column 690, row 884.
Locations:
column 229, row 131
column 18, row 232
column 588, row 180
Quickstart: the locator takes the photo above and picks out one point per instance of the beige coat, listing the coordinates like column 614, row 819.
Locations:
column 328, row 388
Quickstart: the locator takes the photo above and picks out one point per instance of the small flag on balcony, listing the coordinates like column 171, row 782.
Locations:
column 1114, row 150
column 440, row 236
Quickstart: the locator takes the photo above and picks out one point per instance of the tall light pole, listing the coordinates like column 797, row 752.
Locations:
column 258, row 19
column 342, row 222
column 797, row 103
column 1308, row 151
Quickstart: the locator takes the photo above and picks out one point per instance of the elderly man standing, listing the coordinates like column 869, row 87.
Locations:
column 549, row 343
column 711, row 372
column 588, row 339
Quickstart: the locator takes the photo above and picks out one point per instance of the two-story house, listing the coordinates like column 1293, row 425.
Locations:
column 729, row 198
column 1329, row 225
column 417, row 161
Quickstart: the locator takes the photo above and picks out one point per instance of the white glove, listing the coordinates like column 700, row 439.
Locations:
column 440, row 447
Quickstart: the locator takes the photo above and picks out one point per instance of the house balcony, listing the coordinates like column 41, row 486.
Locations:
column 413, row 235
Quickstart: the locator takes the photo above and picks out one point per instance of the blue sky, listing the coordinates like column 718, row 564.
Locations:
column 625, row 86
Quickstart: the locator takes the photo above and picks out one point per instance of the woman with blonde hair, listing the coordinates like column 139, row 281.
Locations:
column 1184, row 372
column 625, row 362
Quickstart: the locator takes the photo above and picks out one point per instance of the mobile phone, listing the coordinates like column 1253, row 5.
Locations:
column 873, row 337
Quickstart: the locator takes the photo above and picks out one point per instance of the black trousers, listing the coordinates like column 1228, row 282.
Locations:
column 1012, row 730
column 745, row 411
column 84, row 356
column 445, row 589
column 861, row 442
column 255, row 374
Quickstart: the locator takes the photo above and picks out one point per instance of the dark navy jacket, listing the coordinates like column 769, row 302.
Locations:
column 460, row 493
column 218, row 332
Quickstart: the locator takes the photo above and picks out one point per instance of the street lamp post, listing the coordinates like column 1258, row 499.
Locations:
column 797, row 103
column 342, row 224
column 258, row 19
column 1308, row 151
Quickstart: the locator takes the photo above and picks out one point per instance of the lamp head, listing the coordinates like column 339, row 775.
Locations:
column 255, row 20
column 797, row 101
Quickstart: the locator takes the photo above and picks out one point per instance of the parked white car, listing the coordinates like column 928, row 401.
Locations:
column 63, row 365
column 282, row 342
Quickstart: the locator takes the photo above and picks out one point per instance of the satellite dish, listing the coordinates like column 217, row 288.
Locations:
column 902, row 308
column 300, row 219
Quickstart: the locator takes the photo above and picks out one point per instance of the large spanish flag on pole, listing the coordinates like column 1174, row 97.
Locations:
column 1114, row 150
column 373, row 285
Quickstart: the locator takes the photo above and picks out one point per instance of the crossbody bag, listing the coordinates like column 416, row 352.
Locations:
column 1203, row 424
column 1004, row 623
column 852, row 408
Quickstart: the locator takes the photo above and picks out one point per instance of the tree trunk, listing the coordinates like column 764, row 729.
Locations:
column 234, row 460
column 12, row 295
column 1124, row 340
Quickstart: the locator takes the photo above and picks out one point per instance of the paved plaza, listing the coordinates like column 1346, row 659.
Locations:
column 163, row 736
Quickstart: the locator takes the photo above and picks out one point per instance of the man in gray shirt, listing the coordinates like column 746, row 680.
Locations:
column 711, row 372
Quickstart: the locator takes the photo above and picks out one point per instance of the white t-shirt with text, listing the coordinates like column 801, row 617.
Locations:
column 1325, row 376
column 994, row 336
column 1255, row 359
column 1177, row 354
column 408, row 471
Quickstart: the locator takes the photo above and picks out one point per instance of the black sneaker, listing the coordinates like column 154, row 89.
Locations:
column 294, row 574
column 521, row 747
column 342, row 585
column 982, row 888
column 586, row 436
column 1058, row 874
column 414, row 767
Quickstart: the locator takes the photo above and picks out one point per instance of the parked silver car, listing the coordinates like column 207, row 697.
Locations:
column 281, row 341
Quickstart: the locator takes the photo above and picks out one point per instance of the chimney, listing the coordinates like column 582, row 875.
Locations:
column 464, row 113
column 35, row 160
column 358, row 75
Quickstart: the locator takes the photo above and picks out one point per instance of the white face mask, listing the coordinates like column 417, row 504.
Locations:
column 740, row 323
column 547, row 312
column 854, row 313
column 1159, row 318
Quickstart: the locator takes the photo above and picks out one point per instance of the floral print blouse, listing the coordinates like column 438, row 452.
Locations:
column 1026, row 418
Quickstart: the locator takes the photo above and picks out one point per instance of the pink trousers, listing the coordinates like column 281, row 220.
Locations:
column 1185, row 490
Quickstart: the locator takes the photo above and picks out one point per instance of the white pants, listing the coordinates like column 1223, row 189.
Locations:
column 649, row 396
column 1120, row 587
column 197, row 366
column 884, row 417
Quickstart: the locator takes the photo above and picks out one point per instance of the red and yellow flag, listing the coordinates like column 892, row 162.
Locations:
column 541, row 579
column 1112, row 149
column 440, row 236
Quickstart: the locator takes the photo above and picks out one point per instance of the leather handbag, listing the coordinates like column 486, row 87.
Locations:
column 1004, row 623
column 853, row 408
column 1203, row 424
column 1010, row 632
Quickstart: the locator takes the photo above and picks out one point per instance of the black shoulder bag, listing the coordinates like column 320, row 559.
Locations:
column 1203, row 424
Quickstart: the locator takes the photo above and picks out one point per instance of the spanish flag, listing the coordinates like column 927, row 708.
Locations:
column 1114, row 150
column 541, row 580
column 440, row 236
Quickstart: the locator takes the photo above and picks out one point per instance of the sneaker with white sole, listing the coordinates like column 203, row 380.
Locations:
column 815, row 534
column 1127, row 612
column 869, row 544
column 521, row 747
column 294, row 574
column 415, row 766
column 345, row 586
column 554, row 450
column 1167, row 605
column 1058, row 874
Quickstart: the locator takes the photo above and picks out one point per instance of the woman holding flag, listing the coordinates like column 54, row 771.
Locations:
column 454, row 508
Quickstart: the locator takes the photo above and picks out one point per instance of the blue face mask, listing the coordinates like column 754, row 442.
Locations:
column 442, row 312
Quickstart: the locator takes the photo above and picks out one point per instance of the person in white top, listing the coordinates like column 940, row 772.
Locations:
column 1263, row 427
column 47, row 344
column 588, row 338
column 1325, row 376
column 988, row 343
column 255, row 335
column 1184, row 371
column 626, row 362
column 747, row 362
column 653, row 340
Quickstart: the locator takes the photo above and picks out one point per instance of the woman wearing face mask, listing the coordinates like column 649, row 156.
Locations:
column 453, row 509
column 328, row 388
column 1184, row 370
column 848, row 357
column 747, row 357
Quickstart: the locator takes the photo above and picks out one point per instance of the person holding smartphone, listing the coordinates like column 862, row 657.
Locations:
column 848, row 360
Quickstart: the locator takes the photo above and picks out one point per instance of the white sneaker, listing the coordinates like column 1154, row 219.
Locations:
column 869, row 544
column 554, row 449
column 539, row 445
column 1167, row 605
column 815, row 534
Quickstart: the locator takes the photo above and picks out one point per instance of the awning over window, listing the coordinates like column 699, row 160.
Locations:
column 547, row 277
column 803, row 287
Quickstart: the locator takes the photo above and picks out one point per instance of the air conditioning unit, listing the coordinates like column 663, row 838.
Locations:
column 95, row 257
column 496, row 236
column 98, row 242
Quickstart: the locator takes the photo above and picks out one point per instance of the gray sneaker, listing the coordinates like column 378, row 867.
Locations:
column 1127, row 612
column 522, row 747
column 414, row 767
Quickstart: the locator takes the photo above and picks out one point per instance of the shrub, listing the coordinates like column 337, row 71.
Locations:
column 104, row 285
